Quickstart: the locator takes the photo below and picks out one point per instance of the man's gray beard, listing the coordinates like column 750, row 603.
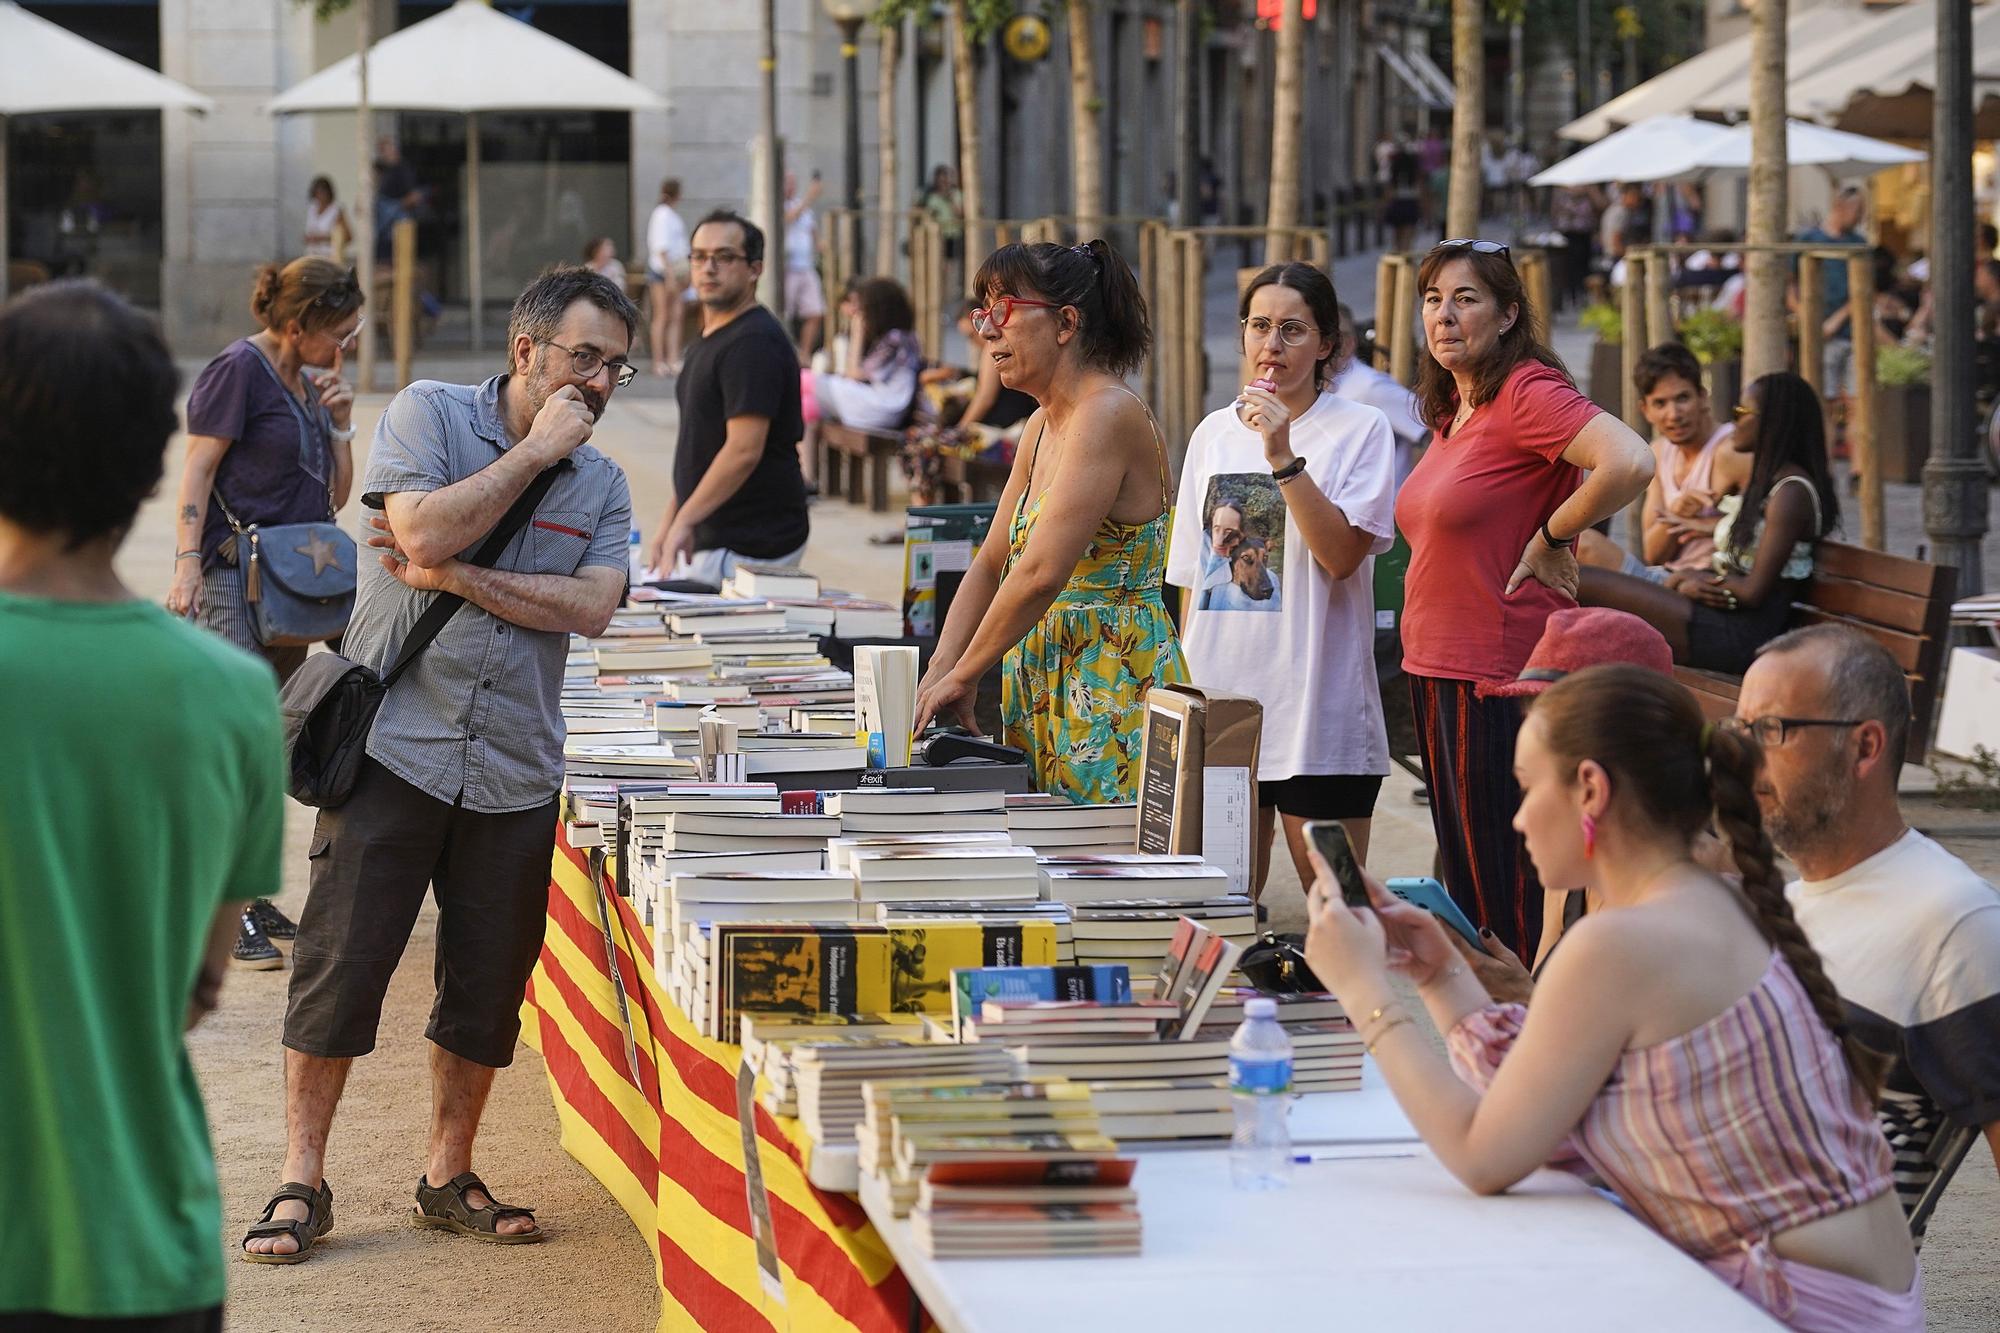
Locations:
column 1802, row 828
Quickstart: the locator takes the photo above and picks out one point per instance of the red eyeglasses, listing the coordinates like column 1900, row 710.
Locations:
column 986, row 319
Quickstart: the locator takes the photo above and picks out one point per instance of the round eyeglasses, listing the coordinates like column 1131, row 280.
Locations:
column 585, row 363
column 1291, row 332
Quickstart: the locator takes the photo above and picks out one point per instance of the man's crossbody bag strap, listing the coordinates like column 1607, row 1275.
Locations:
column 445, row 605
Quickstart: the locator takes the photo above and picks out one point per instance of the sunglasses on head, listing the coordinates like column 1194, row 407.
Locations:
column 1475, row 245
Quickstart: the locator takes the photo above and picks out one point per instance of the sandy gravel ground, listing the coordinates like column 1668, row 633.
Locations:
column 376, row 1271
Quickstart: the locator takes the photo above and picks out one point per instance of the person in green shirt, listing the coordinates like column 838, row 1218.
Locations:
column 141, row 805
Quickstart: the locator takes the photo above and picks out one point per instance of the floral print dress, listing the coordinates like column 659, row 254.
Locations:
column 1073, row 691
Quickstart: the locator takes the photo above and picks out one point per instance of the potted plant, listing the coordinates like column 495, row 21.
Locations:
column 1607, row 363
column 1716, row 339
column 1902, row 411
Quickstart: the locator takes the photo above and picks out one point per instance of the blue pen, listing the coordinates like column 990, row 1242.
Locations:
column 1307, row 1158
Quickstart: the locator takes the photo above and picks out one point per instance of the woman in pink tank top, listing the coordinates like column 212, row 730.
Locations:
column 1725, row 1102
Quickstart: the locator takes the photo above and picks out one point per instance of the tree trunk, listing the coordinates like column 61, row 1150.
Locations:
column 364, row 190
column 965, row 82
column 1765, row 340
column 1468, row 117
column 1287, row 119
column 887, row 193
column 1085, row 120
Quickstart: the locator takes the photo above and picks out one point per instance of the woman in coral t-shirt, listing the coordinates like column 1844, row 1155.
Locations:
column 1492, row 513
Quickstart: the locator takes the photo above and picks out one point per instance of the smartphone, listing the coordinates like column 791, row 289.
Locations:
column 1329, row 839
column 1430, row 895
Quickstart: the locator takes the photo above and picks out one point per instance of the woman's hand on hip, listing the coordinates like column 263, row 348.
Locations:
column 1551, row 566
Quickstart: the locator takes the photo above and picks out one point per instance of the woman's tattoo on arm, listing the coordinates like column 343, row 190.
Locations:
column 189, row 513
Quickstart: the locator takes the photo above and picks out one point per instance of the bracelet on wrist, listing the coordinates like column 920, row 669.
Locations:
column 1289, row 470
column 1375, row 1039
column 1555, row 542
column 1445, row 974
column 342, row 436
column 186, row 555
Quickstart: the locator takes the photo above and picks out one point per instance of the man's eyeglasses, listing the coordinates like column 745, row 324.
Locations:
column 719, row 258
column 1475, row 245
column 1771, row 732
column 1292, row 332
column 586, row 363
column 990, row 319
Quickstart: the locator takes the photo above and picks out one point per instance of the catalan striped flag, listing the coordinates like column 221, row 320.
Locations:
column 669, row 1147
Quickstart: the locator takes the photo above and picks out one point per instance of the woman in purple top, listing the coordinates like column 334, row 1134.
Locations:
column 270, row 436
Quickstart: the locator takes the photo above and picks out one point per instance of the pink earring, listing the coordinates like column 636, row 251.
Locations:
column 1589, row 837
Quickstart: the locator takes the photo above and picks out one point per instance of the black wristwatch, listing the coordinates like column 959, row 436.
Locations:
column 1290, row 470
column 1550, row 538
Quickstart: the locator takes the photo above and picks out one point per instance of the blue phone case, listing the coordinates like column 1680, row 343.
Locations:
column 1428, row 894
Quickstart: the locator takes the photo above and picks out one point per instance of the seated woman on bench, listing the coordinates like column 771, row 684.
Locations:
column 879, row 385
column 1784, row 502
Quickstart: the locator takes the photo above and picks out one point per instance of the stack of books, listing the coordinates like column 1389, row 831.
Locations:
column 1137, row 931
column 909, row 1122
column 1035, row 1023
column 972, row 987
column 917, row 811
column 840, row 851
column 1125, row 876
column 832, row 1077
column 794, row 968
column 1054, row 826
column 973, row 873
column 770, row 1039
column 1032, row 1205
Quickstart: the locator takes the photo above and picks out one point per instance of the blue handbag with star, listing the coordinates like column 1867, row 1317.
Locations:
column 298, row 579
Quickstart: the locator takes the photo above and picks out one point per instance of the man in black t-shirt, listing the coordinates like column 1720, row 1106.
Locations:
column 738, row 491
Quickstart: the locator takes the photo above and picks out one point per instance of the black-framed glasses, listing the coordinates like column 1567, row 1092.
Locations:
column 1474, row 244
column 1291, row 332
column 719, row 258
column 586, row 363
column 1771, row 732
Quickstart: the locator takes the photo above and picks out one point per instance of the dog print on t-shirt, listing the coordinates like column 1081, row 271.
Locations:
column 1243, row 544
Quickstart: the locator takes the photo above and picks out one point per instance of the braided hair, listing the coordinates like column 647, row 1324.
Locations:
column 1648, row 733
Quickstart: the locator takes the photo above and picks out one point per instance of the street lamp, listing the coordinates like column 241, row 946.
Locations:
column 849, row 15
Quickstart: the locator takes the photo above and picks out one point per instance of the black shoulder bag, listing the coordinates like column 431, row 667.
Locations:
column 329, row 704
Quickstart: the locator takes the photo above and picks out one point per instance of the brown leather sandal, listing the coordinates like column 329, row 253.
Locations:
column 306, row 1231
column 445, row 1206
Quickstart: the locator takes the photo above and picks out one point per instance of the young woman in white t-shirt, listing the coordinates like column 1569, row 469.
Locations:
column 1286, row 497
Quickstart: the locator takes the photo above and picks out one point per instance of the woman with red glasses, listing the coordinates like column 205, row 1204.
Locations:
column 1070, row 604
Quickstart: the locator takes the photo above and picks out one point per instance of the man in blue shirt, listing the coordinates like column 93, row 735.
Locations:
column 1843, row 227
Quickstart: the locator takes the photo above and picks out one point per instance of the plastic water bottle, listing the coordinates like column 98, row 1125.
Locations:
column 1260, row 1086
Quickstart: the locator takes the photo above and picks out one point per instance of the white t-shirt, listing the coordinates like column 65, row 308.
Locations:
column 800, row 234
column 1365, row 384
column 1911, row 940
column 666, row 239
column 1268, row 621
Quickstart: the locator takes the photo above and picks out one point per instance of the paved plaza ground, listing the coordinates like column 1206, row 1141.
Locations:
column 378, row 1272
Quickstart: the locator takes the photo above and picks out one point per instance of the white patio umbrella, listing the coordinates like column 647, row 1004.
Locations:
column 46, row 68
column 1655, row 149
column 470, row 59
column 1840, row 154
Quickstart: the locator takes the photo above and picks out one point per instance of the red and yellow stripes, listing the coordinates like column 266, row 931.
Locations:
column 669, row 1148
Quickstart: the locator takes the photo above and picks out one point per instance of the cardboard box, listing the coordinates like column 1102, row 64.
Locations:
column 1198, row 776
column 1970, row 717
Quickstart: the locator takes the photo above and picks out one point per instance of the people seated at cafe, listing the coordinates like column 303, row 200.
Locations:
column 1777, row 500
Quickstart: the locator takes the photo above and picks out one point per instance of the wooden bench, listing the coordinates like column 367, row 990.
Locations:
column 846, row 449
column 1902, row 604
column 974, row 480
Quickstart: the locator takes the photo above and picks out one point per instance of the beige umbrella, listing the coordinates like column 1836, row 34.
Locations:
column 471, row 59
column 46, row 68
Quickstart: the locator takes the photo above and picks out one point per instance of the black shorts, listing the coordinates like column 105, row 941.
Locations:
column 372, row 860
column 1323, row 795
